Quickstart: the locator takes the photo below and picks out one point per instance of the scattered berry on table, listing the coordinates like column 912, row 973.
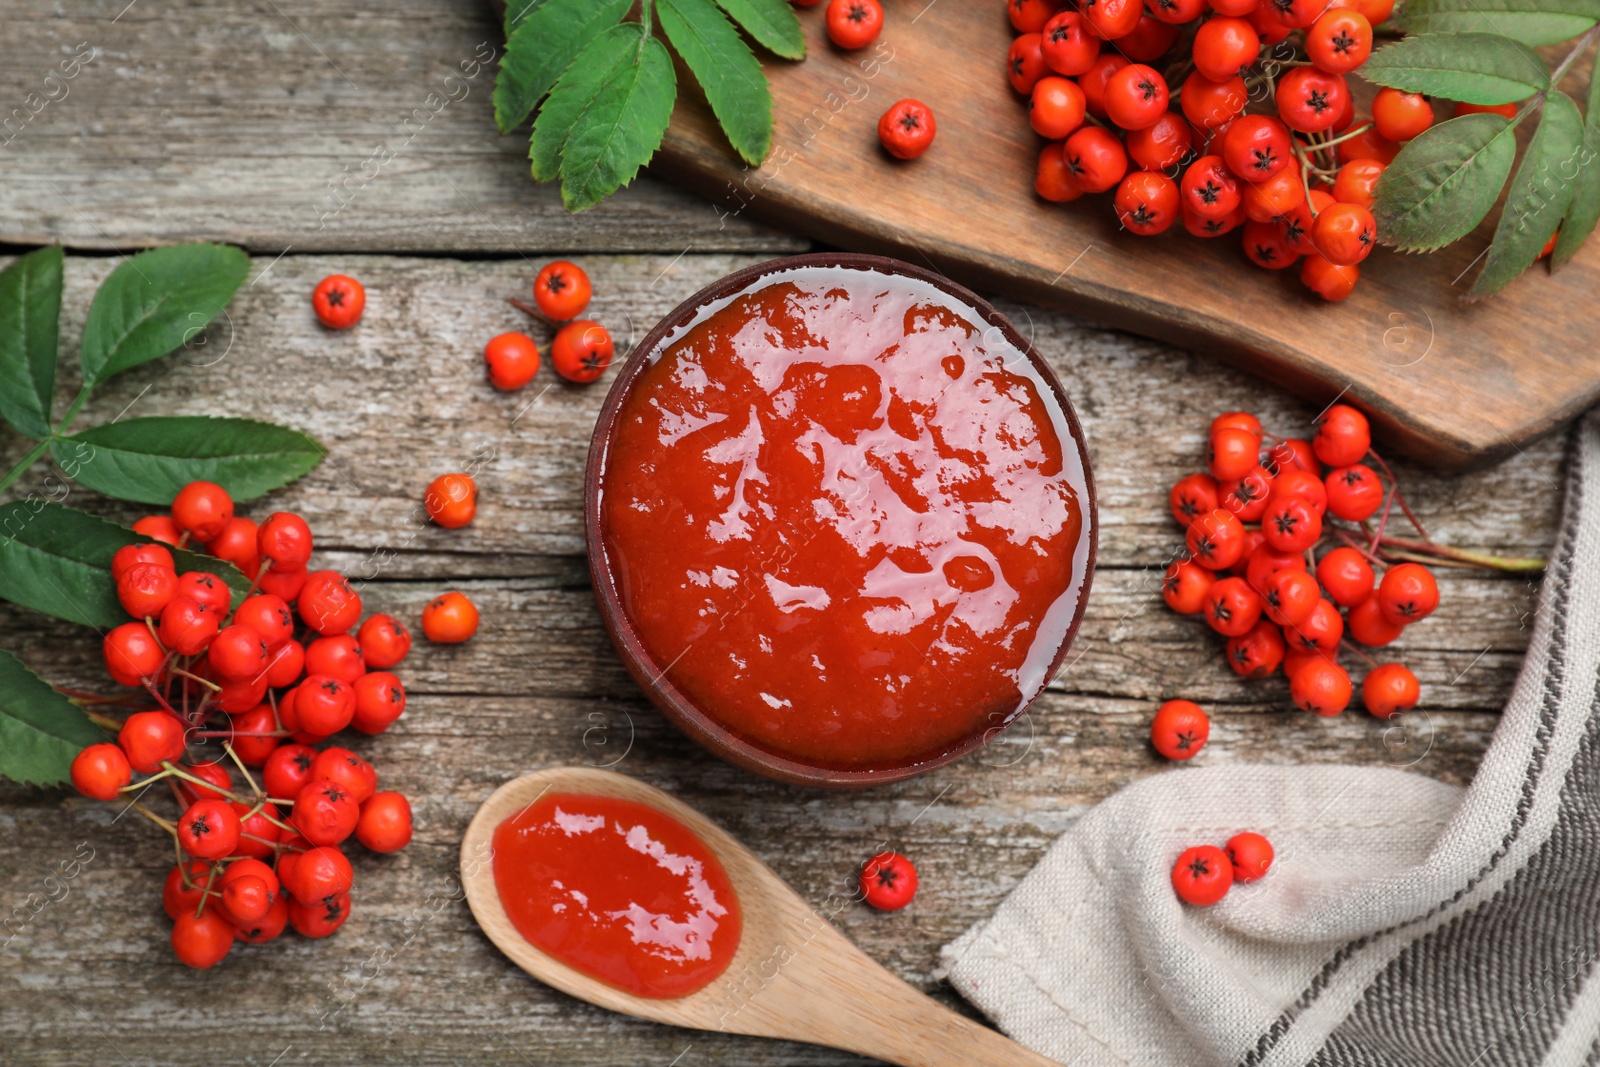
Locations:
column 449, row 619
column 1202, row 875
column 512, row 360
column 854, row 24
column 1180, row 729
column 581, row 351
column 338, row 301
column 562, row 291
column 907, row 129
column 1251, row 856
column 888, row 881
column 451, row 500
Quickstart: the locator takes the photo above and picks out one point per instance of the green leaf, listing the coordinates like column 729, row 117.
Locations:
column 620, row 129
column 1443, row 182
column 726, row 69
column 1585, row 209
column 517, row 11
column 1539, row 196
column 154, row 302
column 57, row 560
column 1477, row 68
column 1532, row 22
column 40, row 730
column 30, row 318
column 541, row 47
column 599, row 61
column 148, row 460
column 773, row 23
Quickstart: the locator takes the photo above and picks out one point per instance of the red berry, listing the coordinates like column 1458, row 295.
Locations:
column 131, row 654
column 209, row 830
column 1180, row 729
column 129, row 556
column 1194, row 495
column 1369, row 627
column 1211, row 104
column 1290, row 597
column 1177, row 12
column 202, row 510
column 1030, row 16
column 160, row 528
column 1055, row 107
column 320, row 919
column 1257, row 652
column 380, row 699
column 288, row 770
column 1320, row 687
column 1407, row 593
column 888, row 881
column 1025, row 63
column 327, row 604
column 186, row 627
column 1460, row 108
column 1052, row 180
column 1066, row 45
column 449, row 619
column 1204, row 227
column 1344, row 234
column 1136, row 96
column 854, row 24
column 100, row 771
column 1357, row 182
column 451, row 500
column 1147, row 202
column 1320, row 631
column 285, row 585
column 285, row 540
column 1111, row 19
column 1256, row 147
column 1210, row 191
column 384, row 641
column 582, row 350
column 237, row 544
column 202, row 940
column 561, row 290
column 1368, row 145
column 338, row 656
column 1232, row 607
column 1390, row 688
column 315, row 875
column 1164, row 143
column 1354, row 492
column 1346, row 576
column 325, row 813
column 1291, row 524
column 1186, row 586
column 385, row 823
column 288, row 661
column 1343, row 436
column 205, row 588
column 1148, row 41
column 1202, row 876
column 1095, row 158
column 184, row 887
column 1216, row 541
column 269, row 616
column 239, row 652
column 1311, row 100
column 253, row 750
column 1340, row 41
column 338, row 301
column 246, row 900
column 269, row 926
column 512, row 359
column 1265, row 246
column 212, row 771
column 1266, row 561
column 1231, row 453
column 239, row 695
column 1400, row 116
column 1093, row 81
column 1253, row 543
column 907, row 129
column 1251, row 856
column 145, row 589
column 151, row 738
column 1247, row 497
column 1296, row 482
column 324, row 705
column 1223, row 46
column 257, row 830
column 348, row 770
column 1272, row 198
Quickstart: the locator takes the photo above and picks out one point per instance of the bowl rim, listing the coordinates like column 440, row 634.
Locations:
column 678, row 708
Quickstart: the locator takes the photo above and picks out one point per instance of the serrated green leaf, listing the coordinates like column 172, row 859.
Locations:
column 773, row 24
column 1539, row 196
column 620, row 129
column 40, row 730
column 600, row 59
column 154, row 302
column 726, row 69
column 1533, row 22
column 30, row 323
column 148, row 460
column 1477, row 68
column 540, row 48
column 517, row 11
column 1585, row 209
column 57, row 560
column 1443, row 182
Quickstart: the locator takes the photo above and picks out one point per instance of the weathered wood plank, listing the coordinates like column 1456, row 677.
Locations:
column 277, row 125
column 402, row 398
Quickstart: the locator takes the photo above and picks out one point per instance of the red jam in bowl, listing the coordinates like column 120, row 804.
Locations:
column 620, row 891
column 847, row 519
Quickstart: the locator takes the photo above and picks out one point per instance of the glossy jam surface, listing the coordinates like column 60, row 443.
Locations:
column 620, row 891
column 846, row 520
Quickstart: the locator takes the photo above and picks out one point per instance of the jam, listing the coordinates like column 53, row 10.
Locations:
column 845, row 519
column 620, row 891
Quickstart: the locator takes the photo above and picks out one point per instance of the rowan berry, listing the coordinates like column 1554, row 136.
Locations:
column 288, row 662
column 203, row 940
column 1390, row 688
column 561, row 290
column 1290, row 597
column 1346, row 576
column 1148, row 41
column 1256, row 147
column 1210, row 191
column 1251, row 856
column 237, row 544
column 338, row 301
column 258, row 833
column 449, row 619
column 1356, row 182
column 246, row 899
column 1321, row 687
column 854, row 24
column 1093, row 81
column 1136, row 96
column 238, row 652
column 269, row 616
column 888, row 881
column 325, row 812
column 582, row 350
column 184, row 887
column 208, row 830
column 1223, row 46
column 1232, row 607
column 159, row 528
column 385, row 823
column 249, row 735
column 285, row 540
column 1291, row 524
column 1369, row 144
column 202, row 510
column 1095, row 159
column 1030, row 16
column 1339, row 41
column 1111, row 19
column 1292, row 454
column 1253, row 543
column 338, row 656
column 1204, row 227
column 1192, row 496
column 379, row 701
column 324, row 917
column 347, row 770
column 1025, row 63
column 1211, row 104
column 1180, row 729
column 1296, row 224
column 1271, row 198
column 1296, row 659
column 327, row 604
column 1177, row 12
column 1400, row 116
column 1376, row 11
column 1460, row 108
column 1233, row 8
column 1056, row 107
column 1310, row 100
column 1231, row 452
column 1185, row 587
column 268, row 926
column 1354, row 492
column 132, row 655
column 220, row 782
column 285, row 585
column 316, row 874
column 1147, row 202
column 1407, row 593
column 1246, row 497
column 323, row 706
column 907, row 129
column 1258, row 651
column 384, row 641
column 1216, row 540
column 100, row 771
column 511, row 360
column 1301, row 482
column 1320, row 631
column 1161, row 145
column 1343, row 437
column 1052, row 179
column 206, row 589
column 288, row 770
column 1345, row 234
column 1267, row 561
column 1202, row 876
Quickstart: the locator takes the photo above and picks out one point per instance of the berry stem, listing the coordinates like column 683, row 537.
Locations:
column 153, row 817
column 1403, row 505
column 1513, row 564
column 213, row 686
column 237, row 762
column 524, row 306
column 1348, row 135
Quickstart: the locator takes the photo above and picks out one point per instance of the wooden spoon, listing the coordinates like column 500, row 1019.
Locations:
column 794, row 976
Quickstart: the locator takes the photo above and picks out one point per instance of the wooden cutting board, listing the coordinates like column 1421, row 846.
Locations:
column 1453, row 383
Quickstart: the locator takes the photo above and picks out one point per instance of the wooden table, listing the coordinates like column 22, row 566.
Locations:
column 227, row 121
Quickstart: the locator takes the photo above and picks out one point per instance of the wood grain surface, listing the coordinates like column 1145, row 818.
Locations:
column 85, row 971
column 1450, row 382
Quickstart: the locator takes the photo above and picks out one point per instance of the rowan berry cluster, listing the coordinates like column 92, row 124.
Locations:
column 1268, row 568
column 271, row 678
column 1204, row 874
column 1149, row 98
column 581, row 350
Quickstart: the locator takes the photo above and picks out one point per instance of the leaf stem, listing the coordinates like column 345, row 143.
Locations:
column 77, row 405
column 27, row 461
column 645, row 20
column 1572, row 57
